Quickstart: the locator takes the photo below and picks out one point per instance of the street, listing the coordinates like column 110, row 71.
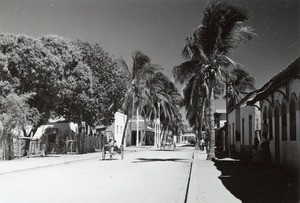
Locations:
column 143, row 176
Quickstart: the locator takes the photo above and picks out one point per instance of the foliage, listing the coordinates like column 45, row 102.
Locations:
column 239, row 83
column 72, row 79
column 150, row 91
column 14, row 114
column 206, row 51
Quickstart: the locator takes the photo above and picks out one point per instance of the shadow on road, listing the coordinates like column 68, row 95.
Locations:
column 252, row 184
column 142, row 160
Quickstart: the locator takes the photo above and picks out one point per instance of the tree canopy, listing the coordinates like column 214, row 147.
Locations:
column 64, row 78
column 221, row 32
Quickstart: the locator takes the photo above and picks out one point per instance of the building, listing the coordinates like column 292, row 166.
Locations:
column 220, row 135
column 220, row 118
column 243, row 125
column 279, row 100
column 145, row 133
column 116, row 129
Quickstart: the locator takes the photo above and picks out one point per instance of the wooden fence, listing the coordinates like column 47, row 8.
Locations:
column 79, row 145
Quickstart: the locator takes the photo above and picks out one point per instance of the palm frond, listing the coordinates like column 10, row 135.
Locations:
column 184, row 71
column 241, row 35
column 121, row 64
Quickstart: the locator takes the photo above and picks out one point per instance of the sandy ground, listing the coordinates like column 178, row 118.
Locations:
column 148, row 176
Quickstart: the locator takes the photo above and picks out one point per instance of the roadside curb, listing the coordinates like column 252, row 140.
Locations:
column 205, row 185
column 49, row 165
column 189, row 179
column 88, row 156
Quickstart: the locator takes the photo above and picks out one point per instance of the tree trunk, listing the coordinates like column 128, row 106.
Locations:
column 211, row 151
column 199, row 135
column 5, row 148
column 161, row 137
column 124, row 132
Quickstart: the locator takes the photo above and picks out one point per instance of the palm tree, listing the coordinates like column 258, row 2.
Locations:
column 141, row 70
column 206, row 52
column 195, row 102
column 162, row 102
column 239, row 83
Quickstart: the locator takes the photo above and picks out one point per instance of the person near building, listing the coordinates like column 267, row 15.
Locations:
column 264, row 151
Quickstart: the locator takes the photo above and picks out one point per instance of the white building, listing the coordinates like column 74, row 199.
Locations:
column 145, row 133
column 220, row 118
column 116, row 129
column 243, row 125
column 280, row 106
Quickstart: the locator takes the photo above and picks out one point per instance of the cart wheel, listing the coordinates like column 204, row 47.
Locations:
column 122, row 151
column 103, row 153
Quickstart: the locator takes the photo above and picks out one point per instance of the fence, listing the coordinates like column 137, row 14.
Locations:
column 79, row 145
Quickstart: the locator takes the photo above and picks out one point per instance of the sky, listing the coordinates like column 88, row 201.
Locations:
column 159, row 28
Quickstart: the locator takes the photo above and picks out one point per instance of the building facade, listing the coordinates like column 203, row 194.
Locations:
column 243, row 126
column 280, row 115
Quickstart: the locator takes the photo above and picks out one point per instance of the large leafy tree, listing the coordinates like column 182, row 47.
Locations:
column 206, row 51
column 15, row 113
column 30, row 68
column 73, row 79
column 109, row 85
column 88, row 79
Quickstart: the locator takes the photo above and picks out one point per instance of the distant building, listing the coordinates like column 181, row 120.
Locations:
column 145, row 132
column 243, row 125
column 220, row 121
column 220, row 118
column 280, row 106
column 116, row 129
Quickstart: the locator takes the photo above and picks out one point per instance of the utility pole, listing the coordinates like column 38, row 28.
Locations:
column 159, row 124
column 137, row 127
column 227, row 123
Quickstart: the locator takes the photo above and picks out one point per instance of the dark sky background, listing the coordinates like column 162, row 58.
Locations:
column 159, row 28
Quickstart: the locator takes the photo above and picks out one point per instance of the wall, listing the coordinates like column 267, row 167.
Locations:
column 246, row 131
column 231, row 130
column 117, row 128
column 286, row 152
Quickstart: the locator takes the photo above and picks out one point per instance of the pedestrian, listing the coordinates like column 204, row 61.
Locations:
column 264, row 150
column 111, row 145
column 206, row 140
column 256, row 143
column 202, row 144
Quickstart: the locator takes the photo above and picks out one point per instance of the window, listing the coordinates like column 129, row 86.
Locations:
column 237, row 136
column 265, row 120
column 283, row 123
column 250, row 129
column 243, row 131
column 292, row 121
column 233, row 132
column 276, row 116
column 229, row 131
column 270, row 125
column 117, row 129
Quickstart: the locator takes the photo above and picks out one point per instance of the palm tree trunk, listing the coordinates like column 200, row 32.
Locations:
column 137, row 127
column 211, row 151
column 124, row 132
column 226, row 129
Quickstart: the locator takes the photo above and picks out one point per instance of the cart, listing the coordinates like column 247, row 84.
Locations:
column 112, row 150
